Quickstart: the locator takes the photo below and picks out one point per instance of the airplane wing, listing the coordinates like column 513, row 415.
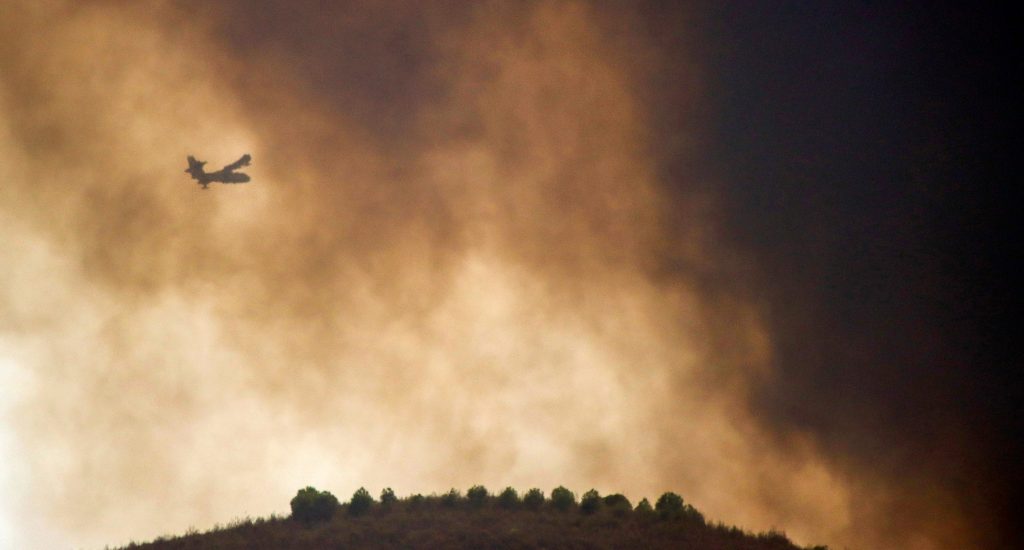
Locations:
column 244, row 161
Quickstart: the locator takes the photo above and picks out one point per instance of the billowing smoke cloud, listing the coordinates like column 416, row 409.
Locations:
column 458, row 262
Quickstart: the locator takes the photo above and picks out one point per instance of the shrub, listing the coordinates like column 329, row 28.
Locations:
column 310, row 505
column 619, row 504
column 451, row 498
column 360, row 503
column 590, row 502
column 534, row 499
column 562, row 498
column 388, row 498
column 477, row 496
column 669, row 506
column 773, row 537
column 509, row 498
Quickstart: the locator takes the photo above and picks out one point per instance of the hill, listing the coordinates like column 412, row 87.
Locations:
column 479, row 520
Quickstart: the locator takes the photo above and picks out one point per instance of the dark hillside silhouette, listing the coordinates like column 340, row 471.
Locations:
column 480, row 519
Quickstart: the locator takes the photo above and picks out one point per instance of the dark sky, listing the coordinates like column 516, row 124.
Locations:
column 771, row 243
column 864, row 150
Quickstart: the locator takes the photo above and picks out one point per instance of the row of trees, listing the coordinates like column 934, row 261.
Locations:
column 311, row 505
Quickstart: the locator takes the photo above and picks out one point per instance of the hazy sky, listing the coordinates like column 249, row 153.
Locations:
column 738, row 251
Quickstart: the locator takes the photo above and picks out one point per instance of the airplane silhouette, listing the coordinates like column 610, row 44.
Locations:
column 224, row 175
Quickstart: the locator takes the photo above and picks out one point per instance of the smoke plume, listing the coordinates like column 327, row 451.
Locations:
column 462, row 259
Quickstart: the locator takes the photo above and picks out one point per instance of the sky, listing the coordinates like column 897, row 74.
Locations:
column 753, row 253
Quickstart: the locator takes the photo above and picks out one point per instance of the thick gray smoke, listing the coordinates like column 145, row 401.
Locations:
column 447, row 270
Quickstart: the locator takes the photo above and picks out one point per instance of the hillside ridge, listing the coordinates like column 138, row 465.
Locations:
column 479, row 519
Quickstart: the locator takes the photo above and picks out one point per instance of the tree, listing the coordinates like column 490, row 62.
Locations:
column 451, row 498
column 387, row 498
column 644, row 507
column 562, row 498
column 508, row 498
column 618, row 504
column 534, row 499
column 669, row 506
column 360, row 503
column 310, row 505
column 477, row 496
column 692, row 515
column 590, row 502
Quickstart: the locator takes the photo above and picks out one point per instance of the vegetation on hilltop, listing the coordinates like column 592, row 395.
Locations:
column 480, row 519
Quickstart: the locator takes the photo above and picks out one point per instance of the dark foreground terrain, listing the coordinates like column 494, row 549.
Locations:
column 445, row 522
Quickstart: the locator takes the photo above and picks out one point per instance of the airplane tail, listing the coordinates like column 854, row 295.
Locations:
column 195, row 167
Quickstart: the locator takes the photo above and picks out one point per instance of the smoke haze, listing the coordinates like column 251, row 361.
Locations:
column 475, row 249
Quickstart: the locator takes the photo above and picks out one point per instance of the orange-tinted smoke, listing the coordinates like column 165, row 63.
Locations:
column 470, row 298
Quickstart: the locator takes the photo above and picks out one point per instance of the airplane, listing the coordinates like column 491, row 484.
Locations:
column 224, row 175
